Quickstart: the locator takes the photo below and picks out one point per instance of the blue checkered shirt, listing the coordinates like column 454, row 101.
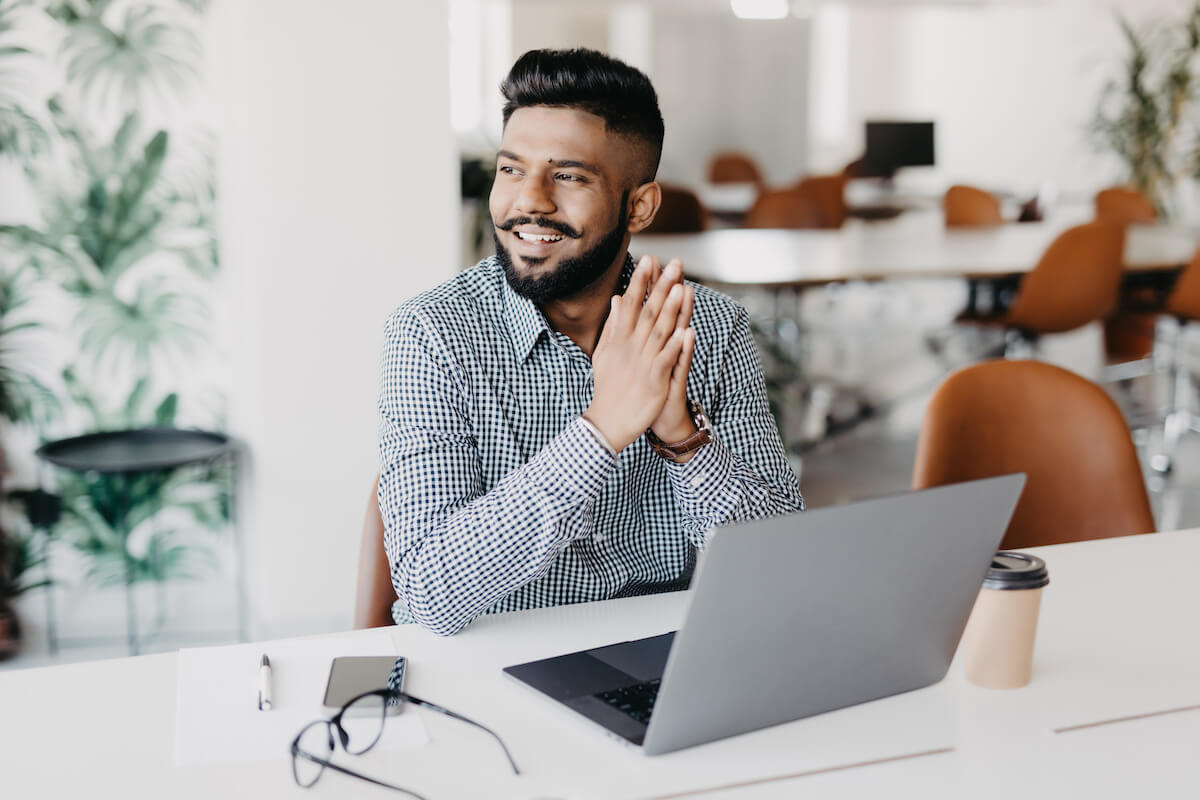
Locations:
column 496, row 497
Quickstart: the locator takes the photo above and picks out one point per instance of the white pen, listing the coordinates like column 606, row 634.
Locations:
column 264, row 685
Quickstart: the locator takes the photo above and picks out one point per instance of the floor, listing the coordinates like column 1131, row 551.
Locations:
column 860, row 342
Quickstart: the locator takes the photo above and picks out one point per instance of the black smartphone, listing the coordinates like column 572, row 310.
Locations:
column 350, row 676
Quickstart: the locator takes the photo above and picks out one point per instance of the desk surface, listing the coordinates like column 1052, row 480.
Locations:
column 913, row 247
column 1117, row 638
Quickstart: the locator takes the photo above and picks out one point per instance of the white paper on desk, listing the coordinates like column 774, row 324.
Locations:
column 217, row 718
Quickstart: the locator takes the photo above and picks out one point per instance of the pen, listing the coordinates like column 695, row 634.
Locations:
column 264, row 685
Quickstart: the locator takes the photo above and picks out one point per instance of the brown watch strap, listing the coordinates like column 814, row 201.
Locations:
column 676, row 450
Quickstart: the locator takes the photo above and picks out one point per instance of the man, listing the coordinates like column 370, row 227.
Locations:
column 559, row 426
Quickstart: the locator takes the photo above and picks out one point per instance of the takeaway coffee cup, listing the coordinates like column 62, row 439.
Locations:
column 997, row 645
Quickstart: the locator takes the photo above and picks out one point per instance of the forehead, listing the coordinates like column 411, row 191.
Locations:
column 562, row 134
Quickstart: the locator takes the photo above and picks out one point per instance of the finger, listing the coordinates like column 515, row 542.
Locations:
column 684, row 365
column 610, row 322
column 670, row 278
column 635, row 292
column 669, row 355
column 689, row 303
column 655, row 273
column 668, row 317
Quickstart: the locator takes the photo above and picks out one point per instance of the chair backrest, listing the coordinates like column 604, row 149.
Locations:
column 733, row 168
column 1076, row 281
column 968, row 206
column 1063, row 431
column 1119, row 204
column 375, row 594
column 1184, row 300
column 680, row 212
column 817, row 201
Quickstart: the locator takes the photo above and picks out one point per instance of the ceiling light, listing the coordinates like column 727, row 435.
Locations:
column 759, row 9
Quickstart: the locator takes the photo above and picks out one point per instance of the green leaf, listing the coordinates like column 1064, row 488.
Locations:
column 164, row 415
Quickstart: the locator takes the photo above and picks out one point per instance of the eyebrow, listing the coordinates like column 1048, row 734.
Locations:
column 560, row 163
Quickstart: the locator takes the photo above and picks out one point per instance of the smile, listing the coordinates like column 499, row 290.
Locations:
column 539, row 237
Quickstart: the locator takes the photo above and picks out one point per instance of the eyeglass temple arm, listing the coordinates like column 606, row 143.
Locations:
column 360, row 776
column 434, row 707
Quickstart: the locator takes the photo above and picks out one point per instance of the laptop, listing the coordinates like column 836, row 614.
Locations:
column 797, row 615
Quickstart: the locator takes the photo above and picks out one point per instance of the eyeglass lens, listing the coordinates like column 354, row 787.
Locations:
column 315, row 740
column 362, row 723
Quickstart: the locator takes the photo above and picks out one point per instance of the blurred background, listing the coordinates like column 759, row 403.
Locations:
column 209, row 207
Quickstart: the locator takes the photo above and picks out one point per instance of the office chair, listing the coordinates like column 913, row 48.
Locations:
column 680, row 212
column 1129, row 333
column 816, row 202
column 967, row 206
column 1183, row 307
column 375, row 594
column 1075, row 282
column 1064, row 432
column 732, row 167
column 1118, row 204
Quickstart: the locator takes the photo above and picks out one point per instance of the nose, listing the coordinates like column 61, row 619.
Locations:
column 535, row 196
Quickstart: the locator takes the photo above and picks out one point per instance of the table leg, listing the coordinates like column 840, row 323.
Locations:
column 123, row 525
column 239, row 561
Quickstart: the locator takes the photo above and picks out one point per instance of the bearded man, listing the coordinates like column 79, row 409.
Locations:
column 558, row 424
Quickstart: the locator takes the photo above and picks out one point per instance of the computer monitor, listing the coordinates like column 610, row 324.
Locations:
column 891, row 145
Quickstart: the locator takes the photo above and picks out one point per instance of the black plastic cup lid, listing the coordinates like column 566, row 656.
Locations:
column 1011, row 570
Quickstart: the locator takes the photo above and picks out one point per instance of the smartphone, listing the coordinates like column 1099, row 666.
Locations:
column 350, row 676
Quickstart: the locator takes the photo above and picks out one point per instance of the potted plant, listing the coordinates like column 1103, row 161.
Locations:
column 1147, row 117
column 16, row 560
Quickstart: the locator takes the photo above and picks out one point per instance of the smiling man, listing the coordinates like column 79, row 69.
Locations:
column 558, row 425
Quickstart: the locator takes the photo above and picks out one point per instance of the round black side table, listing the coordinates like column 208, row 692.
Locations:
column 131, row 452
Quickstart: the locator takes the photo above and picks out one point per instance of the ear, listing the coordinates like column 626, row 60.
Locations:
column 644, row 202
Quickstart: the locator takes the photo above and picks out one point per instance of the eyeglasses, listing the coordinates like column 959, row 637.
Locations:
column 358, row 727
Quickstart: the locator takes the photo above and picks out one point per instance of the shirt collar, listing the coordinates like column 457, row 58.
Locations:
column 526, row 323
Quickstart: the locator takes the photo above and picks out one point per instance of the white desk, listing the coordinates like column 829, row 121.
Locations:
column 1118, row 637
column 914, row 248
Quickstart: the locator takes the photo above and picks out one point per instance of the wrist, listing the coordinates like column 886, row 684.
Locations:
column 617, row 439
column 674, row 427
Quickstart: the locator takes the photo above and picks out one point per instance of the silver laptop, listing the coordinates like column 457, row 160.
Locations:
column 797, row 615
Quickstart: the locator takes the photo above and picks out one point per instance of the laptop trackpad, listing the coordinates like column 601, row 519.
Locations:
column 644, row 659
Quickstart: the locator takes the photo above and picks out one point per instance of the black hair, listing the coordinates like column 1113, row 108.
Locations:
column 589, row 81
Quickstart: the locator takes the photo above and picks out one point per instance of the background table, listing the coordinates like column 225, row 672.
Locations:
column 920, row 248
column 1117, row 638
column 130, row 452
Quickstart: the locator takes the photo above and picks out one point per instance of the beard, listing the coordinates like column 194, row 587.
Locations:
column 574, row 274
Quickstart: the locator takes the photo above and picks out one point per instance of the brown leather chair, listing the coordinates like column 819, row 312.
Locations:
column 816, row 202
column 1184, row 305
column 1119, row 204
column 680, row 212
column 375, row 595
column 1064, row 432
column 1129, row 333
column 968, row 206
column 1075, row 282
column 732, row 167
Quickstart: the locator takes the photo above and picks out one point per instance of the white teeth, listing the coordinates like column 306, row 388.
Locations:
column 538, row 237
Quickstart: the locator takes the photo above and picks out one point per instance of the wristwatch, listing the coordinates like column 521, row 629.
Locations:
column 676, row 451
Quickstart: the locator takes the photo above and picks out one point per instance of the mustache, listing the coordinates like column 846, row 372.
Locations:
column 541, row 222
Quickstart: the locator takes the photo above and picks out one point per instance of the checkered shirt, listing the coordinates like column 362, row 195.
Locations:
column 496, row 497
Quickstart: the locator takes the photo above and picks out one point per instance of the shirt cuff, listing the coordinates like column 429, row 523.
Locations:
column 701, row 480
column 574, row 465
column 599, row 436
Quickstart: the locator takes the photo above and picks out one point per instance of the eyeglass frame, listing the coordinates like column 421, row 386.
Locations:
column 390, row 697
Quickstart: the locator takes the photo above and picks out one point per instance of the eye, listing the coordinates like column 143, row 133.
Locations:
column 507, row 169
column 569, row 178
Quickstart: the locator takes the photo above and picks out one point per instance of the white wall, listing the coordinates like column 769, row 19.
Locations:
column 730, row 84
column 339, row 190
column 1011, row 86
column 722, row 83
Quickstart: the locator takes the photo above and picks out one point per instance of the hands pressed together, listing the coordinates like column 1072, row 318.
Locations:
column 641, row 361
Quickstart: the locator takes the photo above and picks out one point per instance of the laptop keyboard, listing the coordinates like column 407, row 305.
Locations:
column 637, row 701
